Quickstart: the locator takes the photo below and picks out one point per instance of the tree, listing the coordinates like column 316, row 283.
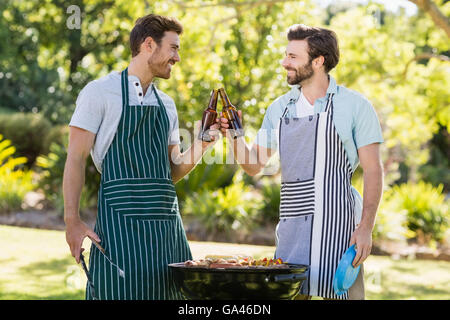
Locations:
column 435, row 13
column 399, row 62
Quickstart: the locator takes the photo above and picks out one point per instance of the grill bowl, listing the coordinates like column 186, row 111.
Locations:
column 261, row 283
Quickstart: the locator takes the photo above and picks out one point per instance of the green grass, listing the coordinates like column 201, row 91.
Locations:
column 6, row 111
column 36, row 264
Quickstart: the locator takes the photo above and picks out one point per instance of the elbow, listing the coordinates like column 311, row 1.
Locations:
column 175, row 180
column 251, row 173
column 253, row 170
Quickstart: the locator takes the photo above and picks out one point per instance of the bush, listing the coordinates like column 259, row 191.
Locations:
column 421, row 208
column 270, row 192
column 26, row 131
column 58, row 134
column 51, row 179
column 392, row 220
column 226, row 210
column 428, row 215
column 14, row 182
column 206, row 177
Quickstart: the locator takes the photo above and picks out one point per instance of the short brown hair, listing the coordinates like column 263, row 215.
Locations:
column 321, row 42
column 152, row 25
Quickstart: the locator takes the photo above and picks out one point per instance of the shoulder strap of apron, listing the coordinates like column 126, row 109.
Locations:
column 329, row 107
column 125, row 92
column 284, row 112
column 124, row 87
column 157, row 96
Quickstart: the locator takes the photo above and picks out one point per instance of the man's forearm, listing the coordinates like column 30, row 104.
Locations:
column 73, row 181
column 186, row 161
column 245, row 156
column 373, row 189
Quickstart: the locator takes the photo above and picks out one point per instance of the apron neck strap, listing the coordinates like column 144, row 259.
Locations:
column 329, row 106
column 124, row 87
column 125, row 93
column 329, row 103
column 157, row 95
column 285, row 111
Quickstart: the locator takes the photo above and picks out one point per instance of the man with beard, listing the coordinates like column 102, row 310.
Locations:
column 322, row 132
column 131, row 130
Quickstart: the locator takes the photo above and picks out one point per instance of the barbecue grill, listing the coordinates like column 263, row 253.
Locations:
column 239, row 283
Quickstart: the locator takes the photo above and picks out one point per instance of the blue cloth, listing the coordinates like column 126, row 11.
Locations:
column 354, row 117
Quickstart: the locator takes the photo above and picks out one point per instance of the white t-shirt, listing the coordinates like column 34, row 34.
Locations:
column 99, row 109
column 304, row 108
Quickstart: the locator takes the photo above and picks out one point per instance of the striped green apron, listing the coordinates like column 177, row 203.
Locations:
column 138, row 218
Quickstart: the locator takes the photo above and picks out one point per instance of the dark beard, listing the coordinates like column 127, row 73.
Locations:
column 301, row 74
column 157, row 66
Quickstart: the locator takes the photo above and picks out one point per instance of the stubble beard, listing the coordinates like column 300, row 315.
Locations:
column 157, row 66
column 301, row 74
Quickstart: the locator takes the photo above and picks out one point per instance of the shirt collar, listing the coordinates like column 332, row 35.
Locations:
column 135, row 78
column 294, row 94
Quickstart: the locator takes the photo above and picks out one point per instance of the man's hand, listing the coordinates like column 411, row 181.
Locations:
column 251, row 159
column 213, row 132
column 363, row 239
column 224, row 125
column 182, row 163
column 76, row 231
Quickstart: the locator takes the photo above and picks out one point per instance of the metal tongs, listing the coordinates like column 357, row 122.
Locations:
column 91, row 283
column 83, row 264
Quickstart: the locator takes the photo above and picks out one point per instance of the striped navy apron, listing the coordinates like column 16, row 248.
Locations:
column 317, row 205
column 138, row 217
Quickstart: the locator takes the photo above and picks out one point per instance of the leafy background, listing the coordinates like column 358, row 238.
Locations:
column 398, row 59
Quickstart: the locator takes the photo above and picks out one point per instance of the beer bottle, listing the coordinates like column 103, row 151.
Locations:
column 230, row 113
column 209, row 117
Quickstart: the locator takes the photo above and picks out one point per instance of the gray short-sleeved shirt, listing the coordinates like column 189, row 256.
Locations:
column 99, row 109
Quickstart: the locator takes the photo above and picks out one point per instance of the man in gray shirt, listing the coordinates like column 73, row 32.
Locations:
column 131, row 130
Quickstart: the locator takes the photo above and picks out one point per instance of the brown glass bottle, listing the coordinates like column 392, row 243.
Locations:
column 230, row 113
column 209, row 117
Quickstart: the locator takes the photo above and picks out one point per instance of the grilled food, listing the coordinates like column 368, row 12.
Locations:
column 215, row 261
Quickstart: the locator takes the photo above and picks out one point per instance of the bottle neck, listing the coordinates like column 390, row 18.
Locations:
column 213, row 101
column 225, row 101
column 212, row 107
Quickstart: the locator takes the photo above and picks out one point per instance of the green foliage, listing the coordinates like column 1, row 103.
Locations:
column 225, row 210
column 392, row 219
column 14, row 182
column 239, row 47
column 24, row 82
column 57, row 134
column 37, row 39
column 381, row 58
column 52, row 166
column 6, row 111
column 208, row 175
column 50, row 182
column 393, row 61
column 437, row 169
column 411, row 210
column 428, row 214
column 270, row 192
column 27, row 131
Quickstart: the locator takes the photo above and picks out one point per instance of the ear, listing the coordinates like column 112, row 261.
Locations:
column 318, row 62
column 148, row 45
